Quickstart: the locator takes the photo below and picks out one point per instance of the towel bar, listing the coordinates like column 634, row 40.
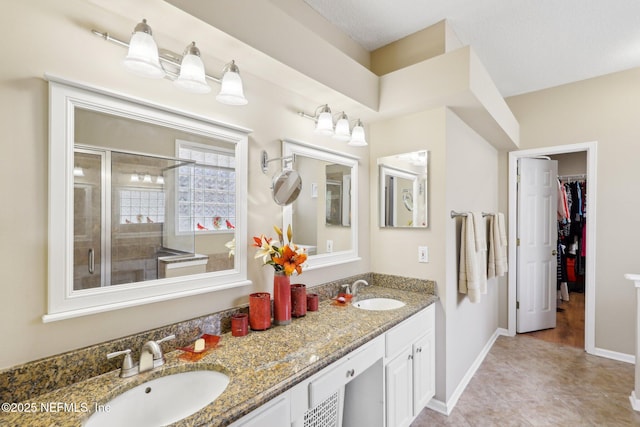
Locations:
column 455, row 214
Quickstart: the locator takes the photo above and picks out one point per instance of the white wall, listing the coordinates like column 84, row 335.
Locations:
column 63, row 45
column 463, row 175
column 471, row 185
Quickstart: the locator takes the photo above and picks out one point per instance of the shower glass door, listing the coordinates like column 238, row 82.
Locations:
column 88, row 219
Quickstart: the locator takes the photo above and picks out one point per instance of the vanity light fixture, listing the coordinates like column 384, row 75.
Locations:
column 357, row 135
column 341, row 131
column 187, row 71
column 146, row 177
column 324, row 121
column 192, row 75
column 142, row 58
column 78, row 171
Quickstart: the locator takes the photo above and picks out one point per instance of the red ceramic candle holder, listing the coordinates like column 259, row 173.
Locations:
column 298, row 300
column 260, row 311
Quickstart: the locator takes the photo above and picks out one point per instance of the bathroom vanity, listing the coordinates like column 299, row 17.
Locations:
column 341, row 365
column 390, row 378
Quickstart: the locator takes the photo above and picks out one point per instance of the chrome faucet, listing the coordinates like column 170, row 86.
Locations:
column 150, row 357
column 151, row 354
column 128, row 368
column 354, row 286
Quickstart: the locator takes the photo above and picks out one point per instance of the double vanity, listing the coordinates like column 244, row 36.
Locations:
column 123, row 201
column 341, row 364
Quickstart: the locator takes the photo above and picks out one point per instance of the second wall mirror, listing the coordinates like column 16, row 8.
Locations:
column 403, row 195
column 324, row 216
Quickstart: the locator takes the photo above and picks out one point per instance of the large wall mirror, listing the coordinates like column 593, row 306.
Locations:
column 324, row 216
column 403, row 192
column 146, row 204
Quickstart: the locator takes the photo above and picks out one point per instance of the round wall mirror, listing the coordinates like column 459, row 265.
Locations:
column 286, row 187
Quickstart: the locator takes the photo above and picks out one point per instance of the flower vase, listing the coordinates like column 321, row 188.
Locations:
column 281, row 298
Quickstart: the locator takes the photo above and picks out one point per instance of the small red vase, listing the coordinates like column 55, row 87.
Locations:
column 281, row 298
column 298, row 300
column 260, row 311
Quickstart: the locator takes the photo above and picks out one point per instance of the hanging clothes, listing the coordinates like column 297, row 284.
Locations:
column 571, row 236
column 563, row 209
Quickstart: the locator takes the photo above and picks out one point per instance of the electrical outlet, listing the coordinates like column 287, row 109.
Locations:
column 423, row 254
column 329, row 245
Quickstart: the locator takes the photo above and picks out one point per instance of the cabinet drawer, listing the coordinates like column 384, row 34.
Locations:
column 273, row 413
column 406, row 332
column 345, row 370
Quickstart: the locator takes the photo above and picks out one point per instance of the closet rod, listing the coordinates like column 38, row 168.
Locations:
column 455, row 214
column 571, row 177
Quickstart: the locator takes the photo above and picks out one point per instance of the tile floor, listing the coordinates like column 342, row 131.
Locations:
column 525, row 381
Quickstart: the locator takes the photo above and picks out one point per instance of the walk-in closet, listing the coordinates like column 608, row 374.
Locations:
column 573, row 207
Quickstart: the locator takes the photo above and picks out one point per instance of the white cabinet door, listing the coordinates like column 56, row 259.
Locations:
column 275, row 413
column 424, row 384
column 399, row 390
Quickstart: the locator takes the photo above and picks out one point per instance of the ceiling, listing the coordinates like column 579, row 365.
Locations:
column 525, row 45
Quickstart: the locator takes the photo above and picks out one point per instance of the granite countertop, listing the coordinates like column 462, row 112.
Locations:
column 260, row 365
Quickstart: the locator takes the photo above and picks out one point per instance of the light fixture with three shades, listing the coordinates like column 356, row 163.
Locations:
column 341, row 130
column 186, row 71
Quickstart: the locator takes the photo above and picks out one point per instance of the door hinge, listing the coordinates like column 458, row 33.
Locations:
column 518, row 241
column 517, row 305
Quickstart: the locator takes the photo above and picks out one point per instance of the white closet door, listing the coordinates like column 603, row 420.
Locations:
column 536, row 253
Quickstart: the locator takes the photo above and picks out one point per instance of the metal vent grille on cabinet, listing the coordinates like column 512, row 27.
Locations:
column 325, row 414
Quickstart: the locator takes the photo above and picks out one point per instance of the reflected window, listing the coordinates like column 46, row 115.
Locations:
column 207, row 192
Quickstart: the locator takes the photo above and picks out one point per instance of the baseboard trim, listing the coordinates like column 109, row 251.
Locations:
column 621, row 357
column 446, row 407
column 635, row 403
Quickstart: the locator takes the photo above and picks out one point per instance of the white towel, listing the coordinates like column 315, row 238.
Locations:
column 502, row 229
column 469, row 275
column 481, row 249
column 480, row 231
column 497, row 247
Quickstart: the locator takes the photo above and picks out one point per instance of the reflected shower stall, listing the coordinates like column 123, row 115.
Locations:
column 124, row 216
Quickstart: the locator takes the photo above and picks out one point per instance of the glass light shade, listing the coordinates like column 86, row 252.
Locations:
column 342, row 128
column 357, row 135
column 160, row 179
column 147, row 178
column 192, row 75
column 77, row 171
column 231, row 91
column 135, row 177
column 143, row 58
column 324, row 124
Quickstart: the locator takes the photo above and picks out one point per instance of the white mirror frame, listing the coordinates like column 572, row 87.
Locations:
column 295, row 148
column 65, row 302
column 385, row 171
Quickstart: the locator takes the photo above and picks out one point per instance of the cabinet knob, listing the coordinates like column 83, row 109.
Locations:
column 351, row 373
column 419, row 350
column 411, row 357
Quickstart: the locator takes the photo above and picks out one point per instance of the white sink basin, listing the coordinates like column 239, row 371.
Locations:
column 379, row 304
column 162, row 401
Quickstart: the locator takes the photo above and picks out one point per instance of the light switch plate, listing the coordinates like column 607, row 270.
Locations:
column 423, row 254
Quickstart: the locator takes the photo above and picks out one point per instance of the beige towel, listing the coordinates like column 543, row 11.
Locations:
column 497, row 265
column 481, row 249
column 469, row 273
